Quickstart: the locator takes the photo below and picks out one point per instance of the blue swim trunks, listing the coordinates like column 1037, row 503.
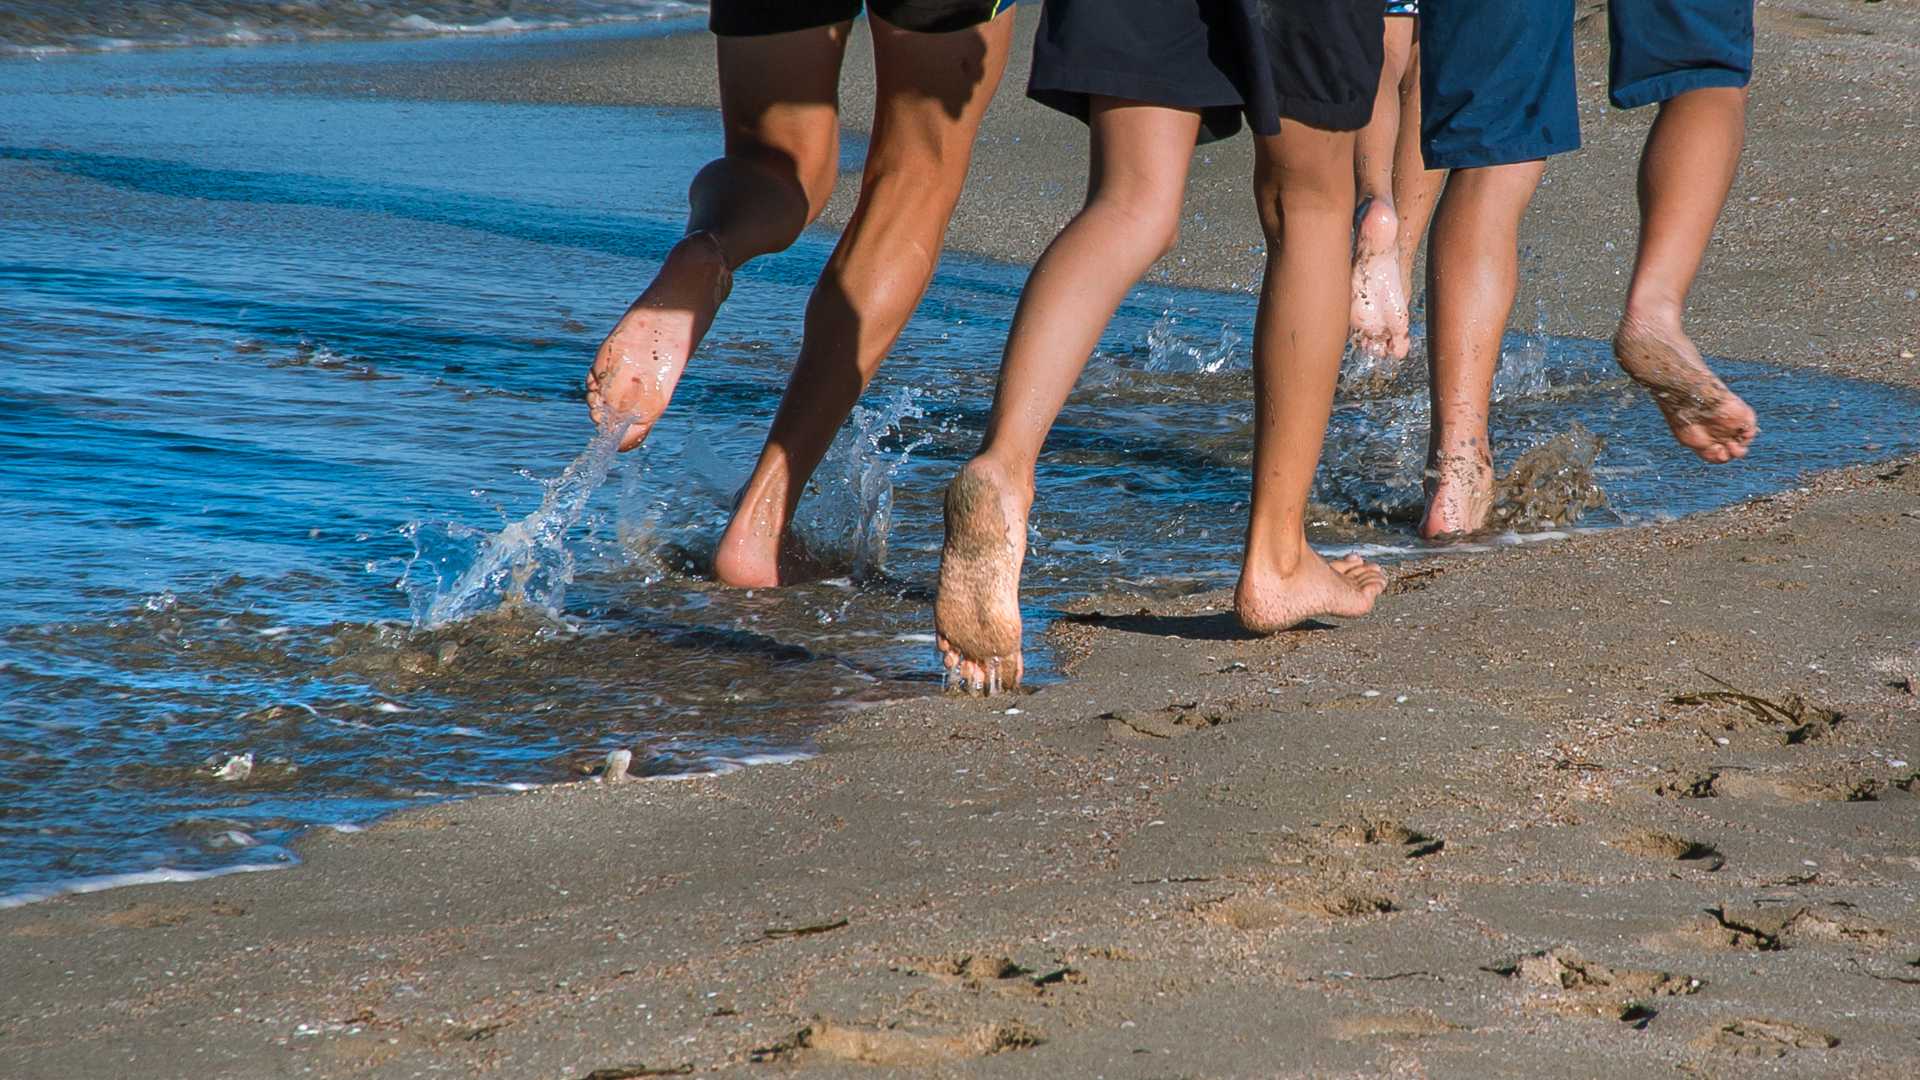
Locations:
column 1497, row 78
column 1403, row 7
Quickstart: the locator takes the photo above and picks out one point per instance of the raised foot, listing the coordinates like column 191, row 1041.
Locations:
column 637, row 367
column 1705, row 416
column 977, row 613
column 1459, row 495
column 1379, row 318
column 1268, row 601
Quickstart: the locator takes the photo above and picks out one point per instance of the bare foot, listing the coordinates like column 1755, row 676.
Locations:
column 1706, row 417
column 640, row 363
column 1379, row 293
column 977, row 614
column 1459, row 494
column 760, row 550
column 1268, row 601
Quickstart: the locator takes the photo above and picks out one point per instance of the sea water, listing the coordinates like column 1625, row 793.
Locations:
column 304, row 520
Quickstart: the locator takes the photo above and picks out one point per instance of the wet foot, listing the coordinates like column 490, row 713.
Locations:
column 1459, row 494
column 1706, row 417
column 1269, row 601
column 640, row 363
column 760, row 549
column 977, row 614
column 1379, row 320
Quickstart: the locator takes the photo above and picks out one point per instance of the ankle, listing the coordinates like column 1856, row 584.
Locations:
column 1281, row 556
column 1651, row 313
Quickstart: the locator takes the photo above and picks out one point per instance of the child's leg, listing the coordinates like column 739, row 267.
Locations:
column 1136, row 181
column 931, row 92
column 1305, row 190
column 1416, row 188
column 1379, row 317
column 1686, row 171
column 779, row 103
column 1472, row 277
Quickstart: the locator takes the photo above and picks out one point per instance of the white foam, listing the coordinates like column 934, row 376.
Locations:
column 103, row 882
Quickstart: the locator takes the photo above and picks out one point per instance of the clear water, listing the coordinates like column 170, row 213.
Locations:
column 289, row 396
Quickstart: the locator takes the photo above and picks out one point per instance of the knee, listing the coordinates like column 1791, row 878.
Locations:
column 1148, row 226
column 808, row 172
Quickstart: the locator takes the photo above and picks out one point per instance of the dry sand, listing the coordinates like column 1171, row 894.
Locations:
column 1632, row 804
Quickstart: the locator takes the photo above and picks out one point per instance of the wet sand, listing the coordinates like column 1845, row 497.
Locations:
column 1628, row 804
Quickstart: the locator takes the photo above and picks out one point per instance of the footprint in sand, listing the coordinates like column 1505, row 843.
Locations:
column 1407, row 1025
column 895, row 1047
column 1654, row 844
column 1564, row 981
column 1271, row 912
column 1774, row 927
column 1172, row 722
column 1384, row 832
column 974, row 971
column 1757, row 1037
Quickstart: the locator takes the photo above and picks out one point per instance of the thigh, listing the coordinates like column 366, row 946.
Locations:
column 1140, row 152
column 779, row 95
column 932, row 88
column 1663, row 48
column 1497, row 82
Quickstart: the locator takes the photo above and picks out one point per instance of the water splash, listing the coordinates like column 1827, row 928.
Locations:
column 849, row 515
column 1171, row 352
column 1551, row 485
column 458, row 572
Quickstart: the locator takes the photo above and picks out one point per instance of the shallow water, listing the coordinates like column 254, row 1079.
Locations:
column 50, row 26
column 277, row 374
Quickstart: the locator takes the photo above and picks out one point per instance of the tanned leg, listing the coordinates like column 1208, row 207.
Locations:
column 779, row 106
column 1379, row 316
column 1686, row 171
column 932, row 91
column 1416, row 188
column 1304, row 192
column 1472, row 277
column 1136, row 180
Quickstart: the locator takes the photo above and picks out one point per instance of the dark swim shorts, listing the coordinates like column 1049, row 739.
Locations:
column 753, row 18
column 1497, row 78
column 1312, row 61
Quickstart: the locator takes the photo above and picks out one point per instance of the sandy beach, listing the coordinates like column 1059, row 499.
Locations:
column 1634, row 803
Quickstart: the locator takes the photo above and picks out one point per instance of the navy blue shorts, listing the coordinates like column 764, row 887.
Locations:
column 1497, row 78
column 1316, row 62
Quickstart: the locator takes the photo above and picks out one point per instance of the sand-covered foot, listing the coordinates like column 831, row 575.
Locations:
column 1379, row 318
column 1268, row 601
column 640, row 363
column 1459, row 494
column 977, row 614
column 1706, row 417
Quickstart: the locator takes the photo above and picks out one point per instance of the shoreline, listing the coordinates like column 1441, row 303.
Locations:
column 1199, row 854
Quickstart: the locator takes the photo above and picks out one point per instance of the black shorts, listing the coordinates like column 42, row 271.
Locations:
column 753, row 18
column 1313, row 61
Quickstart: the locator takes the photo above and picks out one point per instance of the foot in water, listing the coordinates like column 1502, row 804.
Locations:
column 1459, row 494
column 1269, row 600
column 977, row 614
column 760, row 550
column 1706, row 417
column 640, row 363
column 1379, row 319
